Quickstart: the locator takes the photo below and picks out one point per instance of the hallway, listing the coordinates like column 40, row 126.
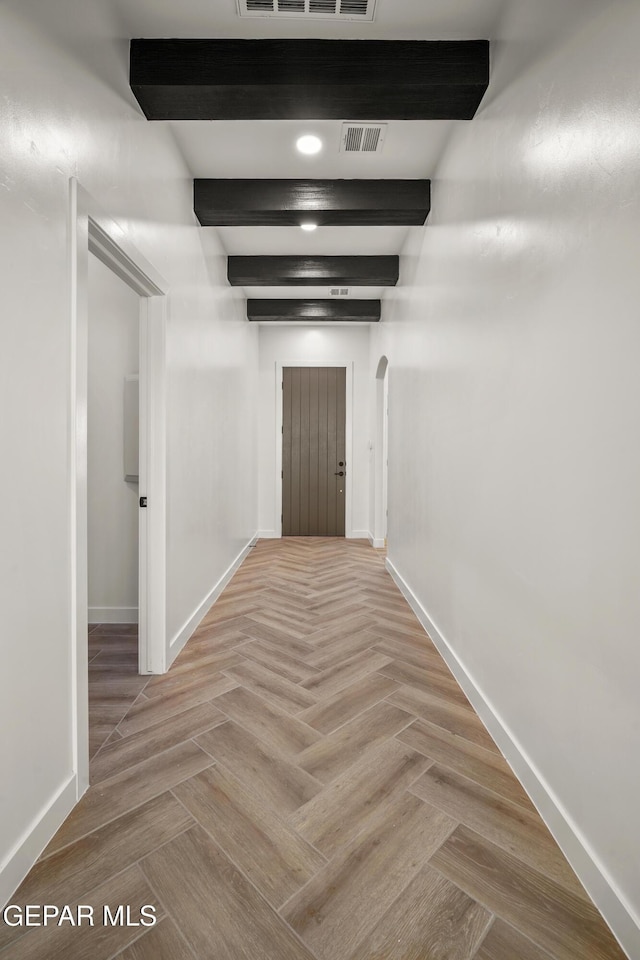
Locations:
column 308, row 781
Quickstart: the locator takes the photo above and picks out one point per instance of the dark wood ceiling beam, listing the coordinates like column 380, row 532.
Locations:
column 362, row 311
column 309, row 79
column 286, row 203
column 304, row 271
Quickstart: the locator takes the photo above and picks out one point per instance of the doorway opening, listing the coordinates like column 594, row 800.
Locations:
column 112, row 499
column 381, row 461
column 92, row 232
column 112, row 439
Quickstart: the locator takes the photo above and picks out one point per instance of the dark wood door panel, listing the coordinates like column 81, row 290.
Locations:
column 313, row 449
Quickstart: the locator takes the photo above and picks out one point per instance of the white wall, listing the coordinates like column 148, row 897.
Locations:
column 513, row 341
column 318, row 345
column 112, row 504
column 66, row 110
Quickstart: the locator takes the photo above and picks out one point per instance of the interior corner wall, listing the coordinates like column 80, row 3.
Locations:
column 112, row 502
column 313, row 344
column 513, row 341
column 67, row 111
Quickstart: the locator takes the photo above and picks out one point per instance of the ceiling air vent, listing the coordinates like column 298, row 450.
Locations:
column 362, row 137
column 309, row 9
column 339, row 291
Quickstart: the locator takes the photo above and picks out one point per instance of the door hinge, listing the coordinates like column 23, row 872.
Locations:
column 143, row 501
column 282, row 474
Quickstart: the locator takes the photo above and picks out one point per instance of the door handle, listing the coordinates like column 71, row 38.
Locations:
column 339, row 474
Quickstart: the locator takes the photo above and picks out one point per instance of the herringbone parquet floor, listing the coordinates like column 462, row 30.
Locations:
column 307, row 781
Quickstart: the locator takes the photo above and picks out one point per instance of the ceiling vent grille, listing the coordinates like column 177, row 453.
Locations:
column 362, row 137
column 309, row 9
column 339, row 291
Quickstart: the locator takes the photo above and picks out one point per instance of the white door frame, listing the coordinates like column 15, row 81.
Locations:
column 90, row 230
column 348, row 366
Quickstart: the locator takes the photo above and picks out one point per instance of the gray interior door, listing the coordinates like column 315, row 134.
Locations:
column 313, row 451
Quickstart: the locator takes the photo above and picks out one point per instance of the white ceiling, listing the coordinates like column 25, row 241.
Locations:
column 395, row 20
column 283, row 241
column 254, row 149
column 312, row 293
column 266, row 148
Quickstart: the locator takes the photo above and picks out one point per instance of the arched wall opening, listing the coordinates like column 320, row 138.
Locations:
column 381, row 453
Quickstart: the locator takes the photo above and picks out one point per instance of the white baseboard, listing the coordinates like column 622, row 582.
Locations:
column 351, row 535
column 376, row 543
column 203, row 608
column 27, row 850
column 594, row 876
column 113, row 614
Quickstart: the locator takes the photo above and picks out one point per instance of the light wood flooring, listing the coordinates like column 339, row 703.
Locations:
column 114, row 681
column 307, row 781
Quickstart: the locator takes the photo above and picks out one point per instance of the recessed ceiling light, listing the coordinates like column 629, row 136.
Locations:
column 309, row 144
column 309, row 226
